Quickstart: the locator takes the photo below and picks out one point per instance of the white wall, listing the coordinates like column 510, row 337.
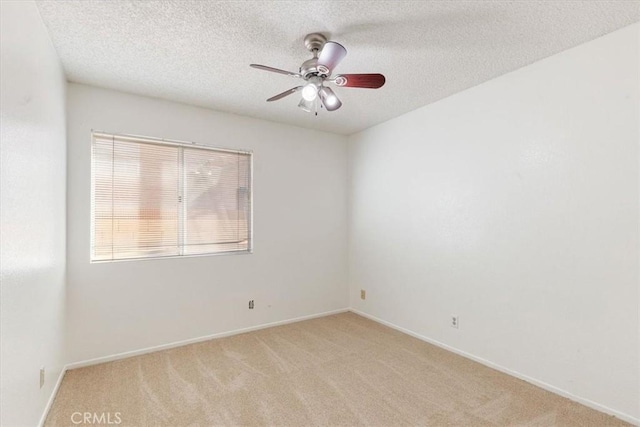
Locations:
column 298, row 266
column 32, row 213
column 514, row 205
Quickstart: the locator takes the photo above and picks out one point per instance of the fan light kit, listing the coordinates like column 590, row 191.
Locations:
column 317, row 71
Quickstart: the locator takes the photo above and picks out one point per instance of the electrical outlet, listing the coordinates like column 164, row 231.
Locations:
column 41, row 376
column 455, row 322
column 363, row 294
column 250, row 304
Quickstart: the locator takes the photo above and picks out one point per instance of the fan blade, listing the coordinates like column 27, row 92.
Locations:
column 285, row 93
column 274, row 70
column 368, row 81
column 331, row 55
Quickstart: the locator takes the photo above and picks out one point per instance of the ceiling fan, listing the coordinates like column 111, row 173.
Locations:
column 317, row 71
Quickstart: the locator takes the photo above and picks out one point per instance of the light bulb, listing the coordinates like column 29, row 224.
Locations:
column 329, row 99
column 309, row 92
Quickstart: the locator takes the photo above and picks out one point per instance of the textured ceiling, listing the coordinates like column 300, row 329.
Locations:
column 198, row 52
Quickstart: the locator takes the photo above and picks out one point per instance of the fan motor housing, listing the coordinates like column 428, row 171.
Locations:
column 310, row 68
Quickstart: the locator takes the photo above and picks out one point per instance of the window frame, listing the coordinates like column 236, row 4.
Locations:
column 179, row 144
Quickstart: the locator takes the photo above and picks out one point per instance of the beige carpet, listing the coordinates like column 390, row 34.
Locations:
column 337, row 370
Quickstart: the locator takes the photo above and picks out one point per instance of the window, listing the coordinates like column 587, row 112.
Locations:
column 152, row 198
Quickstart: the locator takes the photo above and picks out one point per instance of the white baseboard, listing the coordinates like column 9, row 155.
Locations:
column 54, row 392
column 541, row 384
column 132, row 353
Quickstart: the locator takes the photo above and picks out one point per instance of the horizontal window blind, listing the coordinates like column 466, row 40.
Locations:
column 157, row 199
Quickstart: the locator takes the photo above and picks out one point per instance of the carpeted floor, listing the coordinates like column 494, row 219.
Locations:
column 337, row 370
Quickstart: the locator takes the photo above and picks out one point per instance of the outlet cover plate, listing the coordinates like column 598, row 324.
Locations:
column 455, row 321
